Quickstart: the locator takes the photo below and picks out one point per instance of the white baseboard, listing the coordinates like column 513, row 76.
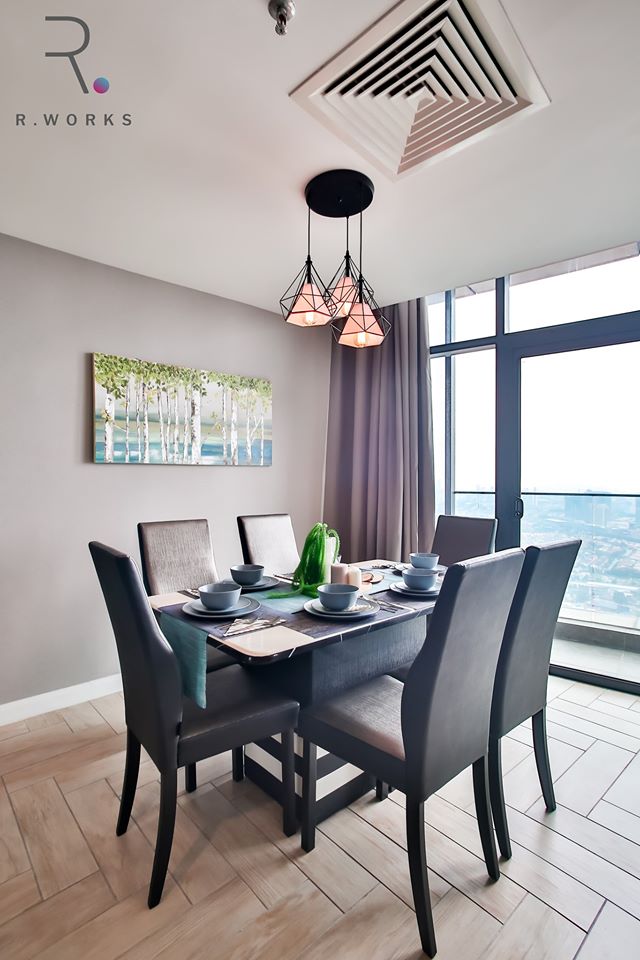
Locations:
column 55, row 699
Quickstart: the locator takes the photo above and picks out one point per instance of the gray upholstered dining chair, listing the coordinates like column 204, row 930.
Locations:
column 456, row 539
column 418, row 735
column 269, row 539
column 461, row 538
column 172, row 729
column 177, row 554
column 520, row 689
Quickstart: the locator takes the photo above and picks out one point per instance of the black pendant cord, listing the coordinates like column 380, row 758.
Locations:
column 360, row 264
column 347, row 256
column 309, row 245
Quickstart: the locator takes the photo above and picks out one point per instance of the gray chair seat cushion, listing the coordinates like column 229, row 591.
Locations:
column 363, row 727
column 240, row 709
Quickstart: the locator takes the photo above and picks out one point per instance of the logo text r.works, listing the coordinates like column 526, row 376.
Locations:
column 100, row 85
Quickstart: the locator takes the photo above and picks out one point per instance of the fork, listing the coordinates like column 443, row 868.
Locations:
column 388, row 605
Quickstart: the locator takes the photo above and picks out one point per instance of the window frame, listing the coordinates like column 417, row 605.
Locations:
column 510, row 349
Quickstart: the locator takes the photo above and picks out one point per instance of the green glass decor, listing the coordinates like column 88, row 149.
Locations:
column 311, row 571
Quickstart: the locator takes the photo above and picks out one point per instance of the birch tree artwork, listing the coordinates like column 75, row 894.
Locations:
column 160, row 413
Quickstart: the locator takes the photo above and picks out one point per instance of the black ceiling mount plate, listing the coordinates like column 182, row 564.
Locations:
column 339, row 193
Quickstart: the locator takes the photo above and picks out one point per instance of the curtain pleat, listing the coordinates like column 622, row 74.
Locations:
column 379, row 485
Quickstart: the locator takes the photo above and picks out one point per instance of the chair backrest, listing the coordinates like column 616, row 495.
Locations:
column 461, row 538
column 446, row 702
column 269, row 539
column 523, row 667
column 150, row 672
column 176, row 554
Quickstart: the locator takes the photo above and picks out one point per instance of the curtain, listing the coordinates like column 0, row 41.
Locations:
column 379, row 484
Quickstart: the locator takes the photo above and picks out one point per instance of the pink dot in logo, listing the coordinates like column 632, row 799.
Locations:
column 101, row 85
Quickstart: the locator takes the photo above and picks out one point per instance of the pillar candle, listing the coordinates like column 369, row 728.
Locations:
column 339, row 572
column 354, row 577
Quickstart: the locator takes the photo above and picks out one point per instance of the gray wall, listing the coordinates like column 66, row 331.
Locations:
column 55, row 310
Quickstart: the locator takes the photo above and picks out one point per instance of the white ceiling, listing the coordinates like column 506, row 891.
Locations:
column 205, row 188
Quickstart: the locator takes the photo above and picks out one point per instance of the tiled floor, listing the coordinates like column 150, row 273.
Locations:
column 240, row 890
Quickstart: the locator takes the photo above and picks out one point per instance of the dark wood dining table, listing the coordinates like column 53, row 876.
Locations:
column 313, row 659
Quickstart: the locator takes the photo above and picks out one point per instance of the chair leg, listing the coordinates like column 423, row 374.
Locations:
column 483, row 813
column 309, row 776
column 238, row 764
column 539, row 726
column 419, row 877
column 496, row 792
column 164, row 839
column 382, row 790
column 190, row 779
column 132, row 765
column 289, row 819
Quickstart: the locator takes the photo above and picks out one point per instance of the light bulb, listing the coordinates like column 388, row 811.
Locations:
column 308, row 319
column 361, row 328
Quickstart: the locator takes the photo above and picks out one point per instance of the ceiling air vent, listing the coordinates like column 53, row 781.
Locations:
column 424, row 80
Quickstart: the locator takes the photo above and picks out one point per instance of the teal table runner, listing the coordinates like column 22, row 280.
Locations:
column 188, row 640
column 189, row 643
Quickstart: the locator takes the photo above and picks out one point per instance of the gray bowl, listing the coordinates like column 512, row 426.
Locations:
column 425, row 561
column 223, row 595
column 419, row 579
column 246, row 574
column 338, row 596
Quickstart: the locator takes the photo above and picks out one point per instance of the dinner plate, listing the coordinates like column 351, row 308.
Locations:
column 195, row 608
column 363, row 609
column 418, row 594
column 267, row 583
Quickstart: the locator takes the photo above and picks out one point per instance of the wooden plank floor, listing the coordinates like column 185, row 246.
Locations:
column 240, row 890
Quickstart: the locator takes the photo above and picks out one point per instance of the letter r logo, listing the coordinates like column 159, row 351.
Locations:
column 72, row 54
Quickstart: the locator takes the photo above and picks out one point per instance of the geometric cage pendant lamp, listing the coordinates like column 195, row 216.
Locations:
column 356, row 319
column 306, row 301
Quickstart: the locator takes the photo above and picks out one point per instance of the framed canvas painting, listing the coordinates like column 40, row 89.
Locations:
column 160, row 413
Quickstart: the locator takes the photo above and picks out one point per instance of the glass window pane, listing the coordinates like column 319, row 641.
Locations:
column 581, row 474
column 595, row 286
column 474, row 504
column 435, row 319
column 474, row 432
column 605, row 585
column 580, row 412
column 474, row 313
column 438, row 409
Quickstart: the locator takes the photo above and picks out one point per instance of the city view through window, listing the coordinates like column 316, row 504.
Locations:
column 580, row 441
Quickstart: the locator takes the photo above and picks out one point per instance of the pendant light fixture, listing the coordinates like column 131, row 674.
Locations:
column 356, row 318
column 360, row 322
column 306, row 302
